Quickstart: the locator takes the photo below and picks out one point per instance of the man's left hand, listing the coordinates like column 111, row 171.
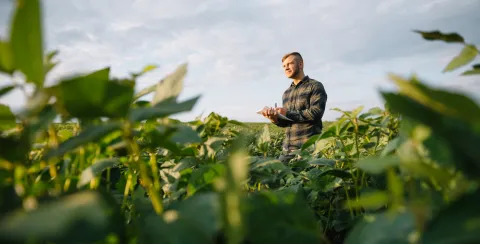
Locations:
column 282, row 111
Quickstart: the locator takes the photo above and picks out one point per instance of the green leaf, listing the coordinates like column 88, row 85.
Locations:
column 459, row 222
column 94, row 95
column 280, row 217
column 145, row 70
column 162, row 109
column 391, row 146
column 462, row 138
column 442, row 101
column 323, row 162
column 171, row 86
column 377, row 165
column 467, row 55
column 337, row 173
column 439, row 36
column 6, row 89
column 82, row 217
column 49, row 65
column 7, row 118
column 6, row 58
column 310, row 142
column 95, row 169
column 92, row 133
column 474, row 71
column 199, row 216
column 15, row 148
column 185, row 135
column 145, row 91
column 27, row 40
column 369, row 200
column 383, row 228
column 203, row 177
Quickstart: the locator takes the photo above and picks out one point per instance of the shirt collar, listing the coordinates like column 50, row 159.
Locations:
column 305, row 78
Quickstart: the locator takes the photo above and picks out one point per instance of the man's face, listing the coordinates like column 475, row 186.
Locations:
column 291, row 66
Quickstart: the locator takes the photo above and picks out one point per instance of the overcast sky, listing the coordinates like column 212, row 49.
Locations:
column 234, row 48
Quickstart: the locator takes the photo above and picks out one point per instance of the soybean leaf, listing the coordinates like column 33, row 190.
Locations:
column 82, row 217
column 6, row 58
column 6, row 89
column 383, row 228
column 162, row 109
column 145, row 91
column 94, row 95
column 203, row 177
column 145, row 69
column 467, row 55
column 91, row 133
column 49, row 64
column 459, row 136
column 369, row 200
column 7, row 118
column 323, row 162
column 442, row 101
column 171, row 86
column 377, row 165
column 310, row 142
column 474, row 71
column 14, row 148
column 185, row 134
column 27, row 40
column 465, row 213
column 337, row 173
column 199, row 216
column 439, row 36
column 95, row 169
column 280, row 217
column 392, row 146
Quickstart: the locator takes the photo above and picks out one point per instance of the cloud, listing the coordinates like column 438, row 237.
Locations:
column 234, row 47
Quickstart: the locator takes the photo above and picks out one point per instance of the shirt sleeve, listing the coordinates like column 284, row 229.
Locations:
column 318, row 100
column 282, row 123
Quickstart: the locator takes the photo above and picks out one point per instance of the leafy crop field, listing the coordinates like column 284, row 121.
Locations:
column 128, row 173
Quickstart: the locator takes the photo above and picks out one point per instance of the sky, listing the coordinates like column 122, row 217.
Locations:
column 234, row 48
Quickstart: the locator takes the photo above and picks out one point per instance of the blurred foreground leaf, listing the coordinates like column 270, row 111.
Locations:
column 83, row 217
column 459, row 222
column 383, row 228
column 27, row 40
column 94, row 95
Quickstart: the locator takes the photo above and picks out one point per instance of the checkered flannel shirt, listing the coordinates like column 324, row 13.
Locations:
column 305, row 105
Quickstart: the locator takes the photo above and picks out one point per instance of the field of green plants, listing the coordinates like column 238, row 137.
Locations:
column 119, row 169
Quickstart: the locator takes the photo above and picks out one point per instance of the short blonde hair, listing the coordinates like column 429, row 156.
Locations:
column 296, row 54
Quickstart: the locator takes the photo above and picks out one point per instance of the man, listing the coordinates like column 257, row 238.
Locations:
column 303, row 102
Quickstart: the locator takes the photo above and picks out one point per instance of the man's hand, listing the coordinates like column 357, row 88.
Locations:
column 270, row 114
column 282, row 111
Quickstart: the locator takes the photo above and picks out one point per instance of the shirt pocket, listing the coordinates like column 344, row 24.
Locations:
column 303, row 100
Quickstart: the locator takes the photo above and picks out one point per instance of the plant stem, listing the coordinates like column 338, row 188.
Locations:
column 147, row 182
column 155, row 172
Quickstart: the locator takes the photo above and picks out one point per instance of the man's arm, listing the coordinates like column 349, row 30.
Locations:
column 318, row 100
column 281, row 122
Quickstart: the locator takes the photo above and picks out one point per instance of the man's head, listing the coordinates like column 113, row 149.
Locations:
column 293, row 65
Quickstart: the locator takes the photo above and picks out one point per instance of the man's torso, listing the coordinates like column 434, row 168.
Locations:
column 297, row 97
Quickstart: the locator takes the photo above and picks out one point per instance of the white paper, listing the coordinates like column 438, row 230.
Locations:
column 279, row 115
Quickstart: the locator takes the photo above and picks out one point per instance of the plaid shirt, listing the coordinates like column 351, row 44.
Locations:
column 305, row 105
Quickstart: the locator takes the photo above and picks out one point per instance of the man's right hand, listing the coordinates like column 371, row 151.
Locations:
column 271, row 114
